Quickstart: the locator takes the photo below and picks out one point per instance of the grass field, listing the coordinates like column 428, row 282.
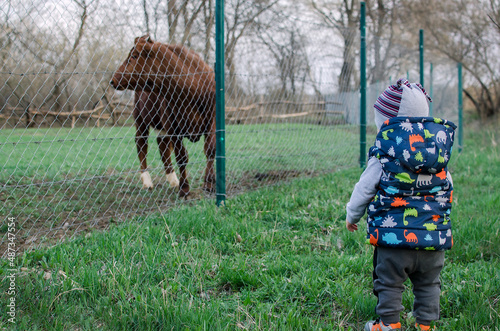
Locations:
column 61, row 181
column 45, row 155
column 278, row 258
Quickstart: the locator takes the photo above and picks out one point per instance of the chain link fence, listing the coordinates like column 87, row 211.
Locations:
column 68, row 139
column 71, row 144
column 389, row 60
column 441, row 85
column 286, row 104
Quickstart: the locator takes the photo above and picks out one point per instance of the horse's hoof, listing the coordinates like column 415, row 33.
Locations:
column 183, row 193
column 209, row 186
column 173, row 180
column 147, row 183
column 208, row 189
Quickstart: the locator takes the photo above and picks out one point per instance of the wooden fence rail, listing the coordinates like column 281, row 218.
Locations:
column 262, row 111
column 116, row 109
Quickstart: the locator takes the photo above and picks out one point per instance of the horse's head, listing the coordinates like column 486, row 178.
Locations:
column 138, row 69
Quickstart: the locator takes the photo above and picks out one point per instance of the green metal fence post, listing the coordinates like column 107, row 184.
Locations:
column 220, row 130
column 431, row 88
column 422, row 57
column 362, row 102
column 460, row 108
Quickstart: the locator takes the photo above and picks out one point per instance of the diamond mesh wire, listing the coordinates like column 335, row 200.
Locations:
column 402, row 61
column 67, row 138
column 285, row 108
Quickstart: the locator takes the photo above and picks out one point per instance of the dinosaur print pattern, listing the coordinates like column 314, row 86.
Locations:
column 428, row 134
column 423, row 180
column 409, row 212
column 412, row 206
column 404, row 177
column 410, row 237
column 442, row 241
column 385, row 134
column 391, row 238
column 441, row 159
column 441, row 175
column 430, row 226
column 406, row 155
column 374, row 240
column 441, row 136
column 392, row 190
column 406, row 126
column 388, row 222
column 414, row 138
column 398, row 202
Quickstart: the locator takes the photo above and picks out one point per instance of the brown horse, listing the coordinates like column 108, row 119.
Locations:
column 181, row 90
column 148, row 109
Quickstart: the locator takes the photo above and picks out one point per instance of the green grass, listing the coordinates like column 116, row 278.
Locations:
column 295, row 267
column 42, row 155
column 58, row 181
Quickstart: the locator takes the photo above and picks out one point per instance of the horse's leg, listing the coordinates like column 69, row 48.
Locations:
column 141, row 142
column 209, row 149
column 182, row 158
column 165, row 147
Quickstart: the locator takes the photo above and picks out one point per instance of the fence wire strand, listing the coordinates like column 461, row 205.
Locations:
column 69, row 140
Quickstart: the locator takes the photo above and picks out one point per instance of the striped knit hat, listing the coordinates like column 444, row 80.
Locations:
column 401, row 99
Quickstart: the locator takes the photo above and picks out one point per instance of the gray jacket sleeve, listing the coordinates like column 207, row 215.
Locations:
column 364, row 191
column 448, row 175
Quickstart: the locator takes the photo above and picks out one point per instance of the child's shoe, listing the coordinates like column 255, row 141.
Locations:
column 378, row 325
column 422, row 327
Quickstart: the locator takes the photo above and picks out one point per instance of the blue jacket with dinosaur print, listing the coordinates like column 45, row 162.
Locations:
column 412, row 206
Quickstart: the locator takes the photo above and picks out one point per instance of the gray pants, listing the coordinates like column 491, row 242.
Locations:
column 392, row 267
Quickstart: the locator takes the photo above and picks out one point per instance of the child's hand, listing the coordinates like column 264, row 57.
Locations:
column 351, row 227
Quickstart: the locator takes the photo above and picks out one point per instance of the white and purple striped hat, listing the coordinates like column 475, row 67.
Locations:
column 401, row 99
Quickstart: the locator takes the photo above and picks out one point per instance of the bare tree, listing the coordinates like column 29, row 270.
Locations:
column 188, row 22
column 463, row 31
column 55, row 50
column 384, row 44
column 342, row 16
column 209, row 22
column 290, row 56
column 69, row 61
column 239, row 18
column 494, row 13
column 146, row 15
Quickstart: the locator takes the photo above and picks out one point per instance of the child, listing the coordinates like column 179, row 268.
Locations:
column 408, row 192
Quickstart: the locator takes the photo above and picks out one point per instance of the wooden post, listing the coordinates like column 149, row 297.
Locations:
column 112, row 113
column 28, row 117
column 100, row 112
column 261, row 108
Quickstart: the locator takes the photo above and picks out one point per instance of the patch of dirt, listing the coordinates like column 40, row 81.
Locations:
column 276, row 176
column 48, row 214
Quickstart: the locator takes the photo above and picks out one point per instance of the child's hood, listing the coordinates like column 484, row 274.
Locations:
column 421, row 144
